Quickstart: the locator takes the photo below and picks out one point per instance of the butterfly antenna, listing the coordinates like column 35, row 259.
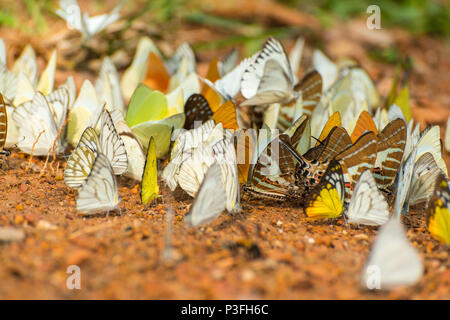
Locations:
column 317, row 140
column 32, row 150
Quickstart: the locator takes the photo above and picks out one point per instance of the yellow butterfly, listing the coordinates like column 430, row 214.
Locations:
column 149, row 185
column 439, row 212
column 327, row 199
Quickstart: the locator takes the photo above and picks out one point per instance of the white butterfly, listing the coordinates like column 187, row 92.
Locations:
column 99, row 194
column 423, row 181
column 134, row 149
column 256, row 71
column 83, row 109
column 228, row 62
column 78, row 166
column 327, row 69
column 393, row 260
column 367, row 205
column 40, row 122
column 107, row 86
column 8, row 83
column 403, row 181
column 184, row 51
column 210, row 200
column 275, row 86
column 27, row 64
column 229, row 85
column 296, row 55
column 87, row 26
column 107, row 142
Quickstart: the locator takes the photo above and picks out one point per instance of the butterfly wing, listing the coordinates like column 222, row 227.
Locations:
column 390, row 147
column 206, row 207
column 149, row 185
column 196, row 108
column 327, row 199
column 112, row 145
column 3, row 123
column 367, row 205
column 79, row 166
column 99, row 194
column 393, row 256
column 37, row 128
column 275, row 86
column 438, row 218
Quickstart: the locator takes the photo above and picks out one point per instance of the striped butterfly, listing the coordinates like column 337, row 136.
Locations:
column 310, row 91
column 393, row 257
column 107, row 142
column 356, row 158
column 99, row 194
column 438, row 218
column 423, row 179
column 390, row 146
column 367, row 205
column 3, row 126
column 210, row 200
column 272, row 176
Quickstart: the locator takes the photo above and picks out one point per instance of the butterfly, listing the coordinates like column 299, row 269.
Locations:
column 197, row 109
column 355, row 158
column 393, row 261
column 107, row 142
column 149, row 185
column 85, row 107
column 363, row 124
column 183, row 53
column 423, row 179
column 40, row 122
column 367, row 205
column 156, row 77
column 3, row 126
column 326, row 201
column 135, row 151
column 135, row 73
column 210, row 200
column 272, row 176
column 390, row 147
column 244, row 144
column 87, row 26
column 438, row 218
column 79, row 166
column 107, row 86
column 27, row 65
column 99, row 193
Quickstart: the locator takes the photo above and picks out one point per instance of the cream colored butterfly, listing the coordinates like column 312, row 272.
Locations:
column 40, row 122
column 107, row 87
column 367, row 205
column 99, row 193
column 393, row 260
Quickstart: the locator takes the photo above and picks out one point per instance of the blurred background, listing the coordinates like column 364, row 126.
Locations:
column 414, row 29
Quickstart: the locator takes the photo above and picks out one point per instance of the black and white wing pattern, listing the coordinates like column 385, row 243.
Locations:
column 99, row 194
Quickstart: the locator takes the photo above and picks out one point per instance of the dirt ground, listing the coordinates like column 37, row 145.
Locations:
column 268, row 251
